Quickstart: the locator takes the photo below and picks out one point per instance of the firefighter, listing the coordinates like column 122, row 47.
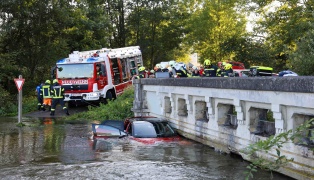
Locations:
column 57, row 92
column 39, row 96
column 141, row 72
column 210, row 70
column 221, row 70
column 170, row 70
column 157, row 68
column 45, row 93
column 181, row 70
column 195, row 72
column 98, row 70
column 228, row 70
column 173, row 70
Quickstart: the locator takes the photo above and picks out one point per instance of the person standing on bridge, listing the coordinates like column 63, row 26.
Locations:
column 57, row 92
column 141, row 72
column 228, row 70
column 210, row 70
column 45, row 93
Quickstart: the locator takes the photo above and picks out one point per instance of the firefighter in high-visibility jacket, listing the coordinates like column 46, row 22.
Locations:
column 57, row 92
column 210, row 70
column 141, row 72
column 45, row 93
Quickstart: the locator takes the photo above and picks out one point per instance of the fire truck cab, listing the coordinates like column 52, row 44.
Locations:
column 97, row 75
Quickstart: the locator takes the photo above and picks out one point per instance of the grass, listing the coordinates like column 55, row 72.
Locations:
column 118, row 109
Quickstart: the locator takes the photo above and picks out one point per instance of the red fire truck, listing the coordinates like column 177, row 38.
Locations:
column 97, row 75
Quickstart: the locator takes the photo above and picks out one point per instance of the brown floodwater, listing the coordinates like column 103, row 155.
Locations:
column 53, row 149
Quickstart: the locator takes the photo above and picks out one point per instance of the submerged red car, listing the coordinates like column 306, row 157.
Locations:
column 147, row 130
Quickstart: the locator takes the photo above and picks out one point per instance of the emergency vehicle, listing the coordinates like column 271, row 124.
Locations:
column 97, row 75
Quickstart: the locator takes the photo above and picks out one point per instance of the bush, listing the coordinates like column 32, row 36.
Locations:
column 118, row 109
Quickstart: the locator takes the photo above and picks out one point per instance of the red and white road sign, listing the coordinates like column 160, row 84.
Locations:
column 19, row 83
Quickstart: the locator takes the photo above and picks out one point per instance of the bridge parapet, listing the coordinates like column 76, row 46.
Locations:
column 231, row 113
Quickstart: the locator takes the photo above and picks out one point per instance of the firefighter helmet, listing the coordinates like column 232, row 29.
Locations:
column 158, row 66
column 55, row 81
column 228, row 66
column 207, row 62
column 142, row 68
column 47, row 82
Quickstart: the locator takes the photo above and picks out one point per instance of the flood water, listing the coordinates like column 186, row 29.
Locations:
column 53, row 149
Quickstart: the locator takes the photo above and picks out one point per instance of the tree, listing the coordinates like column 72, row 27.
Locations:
column 157, row 27
column 214, row 27
column 283, row 26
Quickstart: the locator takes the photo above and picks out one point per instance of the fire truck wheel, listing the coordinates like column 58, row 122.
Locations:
column 107, row 98
column 108, row 95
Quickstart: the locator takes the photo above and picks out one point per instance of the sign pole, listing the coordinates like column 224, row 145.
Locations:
column 19, row 84
column 20, row 103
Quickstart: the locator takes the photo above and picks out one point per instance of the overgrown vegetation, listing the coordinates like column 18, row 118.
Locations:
column 276, row 143
column 118, row 109
column 10, row 108
column 35, row 34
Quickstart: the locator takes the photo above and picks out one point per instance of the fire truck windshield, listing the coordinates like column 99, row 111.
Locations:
column 75, row 71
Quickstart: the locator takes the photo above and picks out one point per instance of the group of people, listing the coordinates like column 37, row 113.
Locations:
column 50, row 95
column 180, row 70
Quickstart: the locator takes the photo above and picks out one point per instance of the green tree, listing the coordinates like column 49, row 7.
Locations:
column 283, row 26
column 214, row 26
column 157, row 27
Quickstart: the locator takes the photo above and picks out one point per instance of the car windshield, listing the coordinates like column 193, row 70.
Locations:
column 163, row 129
column 75, row 70
column 144, row 129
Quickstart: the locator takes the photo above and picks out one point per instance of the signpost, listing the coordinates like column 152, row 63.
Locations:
column 19, row 84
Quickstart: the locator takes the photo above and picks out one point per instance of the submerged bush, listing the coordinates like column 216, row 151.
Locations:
column 118, row 109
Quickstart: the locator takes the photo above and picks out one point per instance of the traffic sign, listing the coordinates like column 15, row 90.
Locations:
column 19, row 83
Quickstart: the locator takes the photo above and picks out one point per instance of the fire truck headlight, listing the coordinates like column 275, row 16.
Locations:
column 94, row 94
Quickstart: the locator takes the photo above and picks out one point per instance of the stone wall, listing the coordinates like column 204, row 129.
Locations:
column 230, row 113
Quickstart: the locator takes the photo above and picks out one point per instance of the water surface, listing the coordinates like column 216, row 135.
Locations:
column 52, row 149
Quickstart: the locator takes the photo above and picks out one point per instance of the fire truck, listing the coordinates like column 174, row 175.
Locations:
column 97, row 75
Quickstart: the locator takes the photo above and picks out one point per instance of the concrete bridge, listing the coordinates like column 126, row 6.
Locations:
column 231, row 113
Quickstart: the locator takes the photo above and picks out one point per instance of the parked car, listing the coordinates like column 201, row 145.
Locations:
column 261, row 71
column 142, row 129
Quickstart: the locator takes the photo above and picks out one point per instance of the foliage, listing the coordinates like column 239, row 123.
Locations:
column 157, row 27
column 118, row 109
column 35, row 34
column 215, row 28
column 10, row 108
column 275, row 143
column 282, row 24
column 302, row 59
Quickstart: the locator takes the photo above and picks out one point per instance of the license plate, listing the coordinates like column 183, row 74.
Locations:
column 76, row 94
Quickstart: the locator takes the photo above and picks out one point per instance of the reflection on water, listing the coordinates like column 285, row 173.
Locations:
column 53, row 149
